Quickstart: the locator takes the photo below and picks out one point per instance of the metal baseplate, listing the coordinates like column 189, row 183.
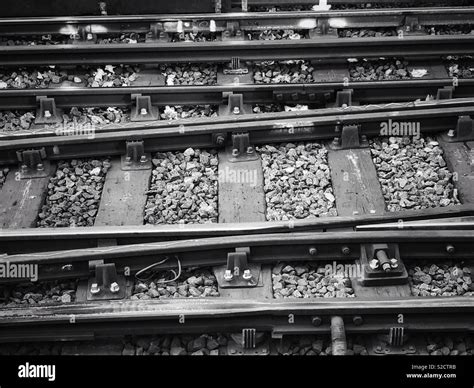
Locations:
column 381, row 265
column 238, row 272
column 46, row 112
column 242, row 150
column 33, row 164
column 233, row 105
column 142, row 109
column 349, row 137
column 395, row 343
column 106, row 284
column 464, row 131
column 248, row 343
column 135, row 157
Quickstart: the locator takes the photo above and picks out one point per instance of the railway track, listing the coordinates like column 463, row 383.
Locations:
column 250, row 203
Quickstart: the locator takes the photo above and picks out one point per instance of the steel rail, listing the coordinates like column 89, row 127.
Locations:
column 311, row 93
column 248, row 21
column 305, row 125
column 264, row 248
column 465, row 223
column 95, row 319
column 51, row 130
column 21, row 241
column 153, row 53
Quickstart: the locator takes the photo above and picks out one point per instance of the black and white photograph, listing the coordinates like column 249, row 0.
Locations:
column 240, row 180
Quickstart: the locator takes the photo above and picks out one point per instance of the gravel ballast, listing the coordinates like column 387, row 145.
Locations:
column 441, row 280
column 189, row 74
column 450, row 345
column 413, row 173
column 383, row 69
column 178, row 112
column 462, row 67
column 183, row 188
column 284, row 72
column 306, row 280
column 41, row 293
column 366, row 33
column 74, row 193
column 277, row 35
column 3, row 175
column 198, row 283
column 309, row 345
column 297, row 181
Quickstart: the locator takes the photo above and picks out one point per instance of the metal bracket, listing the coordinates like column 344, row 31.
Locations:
column 412, row 26
column 106, row 283
column 350, row 137
column 103, row 8
column 464, row 131
column 233, row 105
column 219, row 139
column 233, row 32
column 445, row 93
column 135, row 157
column 33, row 163
column 235, row 68
column 142, row 109
column 238, row 273
column 242, row 151
column 323, row 30
column 248, row 343
column 302, row 95
column 84, row 35
column 344, row 98
column 381, row 265
column 395, row 343
column 46, row 112
column 157, row 34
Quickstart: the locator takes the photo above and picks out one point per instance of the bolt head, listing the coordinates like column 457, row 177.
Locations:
column 114, row 287
column 249, row 150
column 235, row 152
column 247, row 275
column 95, row 289
column 228, row 275
column 374, row 264
column 143, row 159
column 236, row 110
column 47, row 114
column 313, row 251
column 316, row 321
column 394, row 263
column 450, row 248
column 143, row 112
column 357, row 320
column 346, row 250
